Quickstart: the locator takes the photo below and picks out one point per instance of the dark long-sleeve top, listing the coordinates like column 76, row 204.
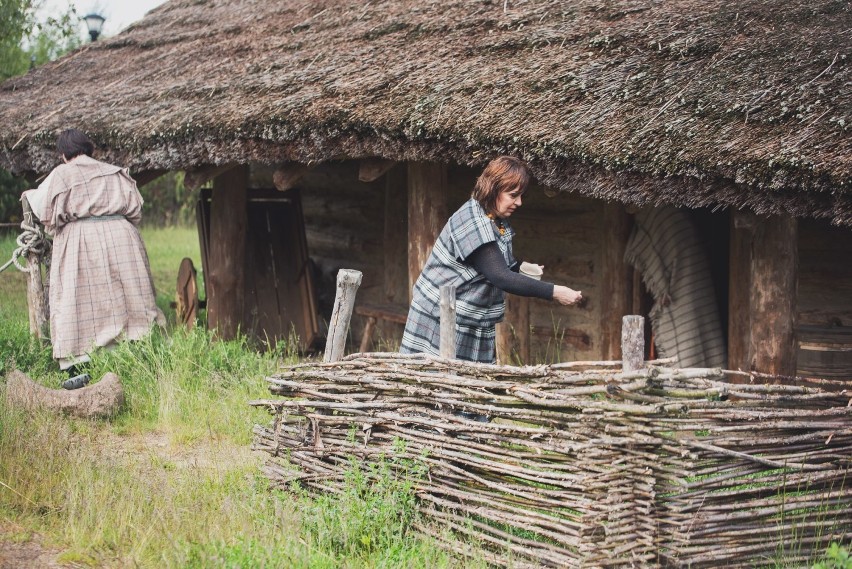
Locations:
column 488, row 260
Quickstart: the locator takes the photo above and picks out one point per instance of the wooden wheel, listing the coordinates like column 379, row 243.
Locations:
column 187, row 294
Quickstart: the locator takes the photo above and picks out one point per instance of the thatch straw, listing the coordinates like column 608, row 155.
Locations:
column 740, row 104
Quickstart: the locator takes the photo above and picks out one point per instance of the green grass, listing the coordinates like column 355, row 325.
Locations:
column 171, row 481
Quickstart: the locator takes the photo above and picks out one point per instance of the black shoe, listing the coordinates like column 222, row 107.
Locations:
column 76, row 382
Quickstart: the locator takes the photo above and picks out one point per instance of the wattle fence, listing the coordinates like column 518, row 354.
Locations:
column 579, row 464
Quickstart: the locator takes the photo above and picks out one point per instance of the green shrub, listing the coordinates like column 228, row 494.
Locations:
column 836, row 557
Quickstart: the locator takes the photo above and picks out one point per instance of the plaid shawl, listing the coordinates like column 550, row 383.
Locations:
column 685, row 317
column 101, row 288
column 479, row 304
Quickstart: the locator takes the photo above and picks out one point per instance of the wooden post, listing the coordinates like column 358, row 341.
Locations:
column 513, row 334
column 448, row 322
column 616, row 278
column 36, row 302
column 632, row 343
column 348, row 282
column 226, row 281
column 774, row 272
column 739, row 287
column 396, row 237
column 427, row 213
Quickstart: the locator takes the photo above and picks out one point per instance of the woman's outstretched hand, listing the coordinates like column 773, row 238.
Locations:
column 566, row 296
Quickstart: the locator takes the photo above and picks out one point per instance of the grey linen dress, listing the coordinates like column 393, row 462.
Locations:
column 479, row 304
column 101, row 289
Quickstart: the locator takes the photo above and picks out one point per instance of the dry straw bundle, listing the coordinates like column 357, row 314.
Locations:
column 579, row 464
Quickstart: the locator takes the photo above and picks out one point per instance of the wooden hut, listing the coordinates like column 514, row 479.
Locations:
column 381, row 114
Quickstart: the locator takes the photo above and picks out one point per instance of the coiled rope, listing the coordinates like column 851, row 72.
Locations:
column 31, row 240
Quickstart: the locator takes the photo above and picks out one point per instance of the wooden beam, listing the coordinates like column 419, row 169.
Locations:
column 427, row 213
column 774, row 272
column 197, row 177
column 226, row 279
column 395, row 250
column 739, row 287
column 616, row 278
column 286, row 176
column 371, row 169
column 147, row 176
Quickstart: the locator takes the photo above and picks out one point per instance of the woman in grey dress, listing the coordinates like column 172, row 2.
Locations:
column 474, row 253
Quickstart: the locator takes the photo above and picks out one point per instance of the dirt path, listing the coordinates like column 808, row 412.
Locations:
column 21, row 550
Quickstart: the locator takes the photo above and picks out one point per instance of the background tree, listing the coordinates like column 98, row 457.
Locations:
column 26, row 41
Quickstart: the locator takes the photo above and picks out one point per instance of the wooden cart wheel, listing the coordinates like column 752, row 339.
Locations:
column 187, row 294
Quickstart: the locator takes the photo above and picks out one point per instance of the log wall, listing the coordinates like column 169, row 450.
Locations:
column 345, row 226
column 824, row 333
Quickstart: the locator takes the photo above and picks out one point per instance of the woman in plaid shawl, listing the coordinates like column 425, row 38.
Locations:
column 474, row 253
column 101, row 288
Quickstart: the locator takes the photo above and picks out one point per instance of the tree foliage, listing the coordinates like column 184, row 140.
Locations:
column 27, row 41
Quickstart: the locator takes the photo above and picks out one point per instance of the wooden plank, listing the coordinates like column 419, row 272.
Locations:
column 427, row 213
column 396, row 237
column 226, row 277
column 774, row 266
column 616, row 278
column 739, row 286
column 280, row 297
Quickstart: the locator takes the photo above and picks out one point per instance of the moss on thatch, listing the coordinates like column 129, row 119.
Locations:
column 743, row 104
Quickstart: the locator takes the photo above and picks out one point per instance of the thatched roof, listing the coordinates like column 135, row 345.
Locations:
column 746, row 104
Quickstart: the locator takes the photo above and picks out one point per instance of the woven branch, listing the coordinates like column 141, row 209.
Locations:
column 578, row 464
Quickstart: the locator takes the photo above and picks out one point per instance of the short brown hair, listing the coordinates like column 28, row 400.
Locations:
column 503, row 174
column 72, row 143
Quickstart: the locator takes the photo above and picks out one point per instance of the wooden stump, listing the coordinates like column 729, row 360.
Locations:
column 101, row 400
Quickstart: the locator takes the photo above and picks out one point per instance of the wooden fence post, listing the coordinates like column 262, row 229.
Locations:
column 348, row 282
column 36, row 293
column 632, row 343
column 448, row 322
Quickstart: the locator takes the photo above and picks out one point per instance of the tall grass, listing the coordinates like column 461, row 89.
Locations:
column 171, row 481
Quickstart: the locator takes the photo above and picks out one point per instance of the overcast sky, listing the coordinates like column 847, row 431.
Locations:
column 118, row 13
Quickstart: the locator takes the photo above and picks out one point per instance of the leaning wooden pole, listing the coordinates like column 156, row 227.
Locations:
column 36, row 303
column 448, row 322
column 348, row 282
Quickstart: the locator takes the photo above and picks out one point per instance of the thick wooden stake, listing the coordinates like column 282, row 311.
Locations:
column 513, row 334
column 448, row 322
column 632, row 343
column 226, row 281
column 774, row 271
column 36, row 293
column 348, row 282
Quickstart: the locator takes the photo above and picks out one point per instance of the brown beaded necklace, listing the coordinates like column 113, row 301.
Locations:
column 499, row 222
